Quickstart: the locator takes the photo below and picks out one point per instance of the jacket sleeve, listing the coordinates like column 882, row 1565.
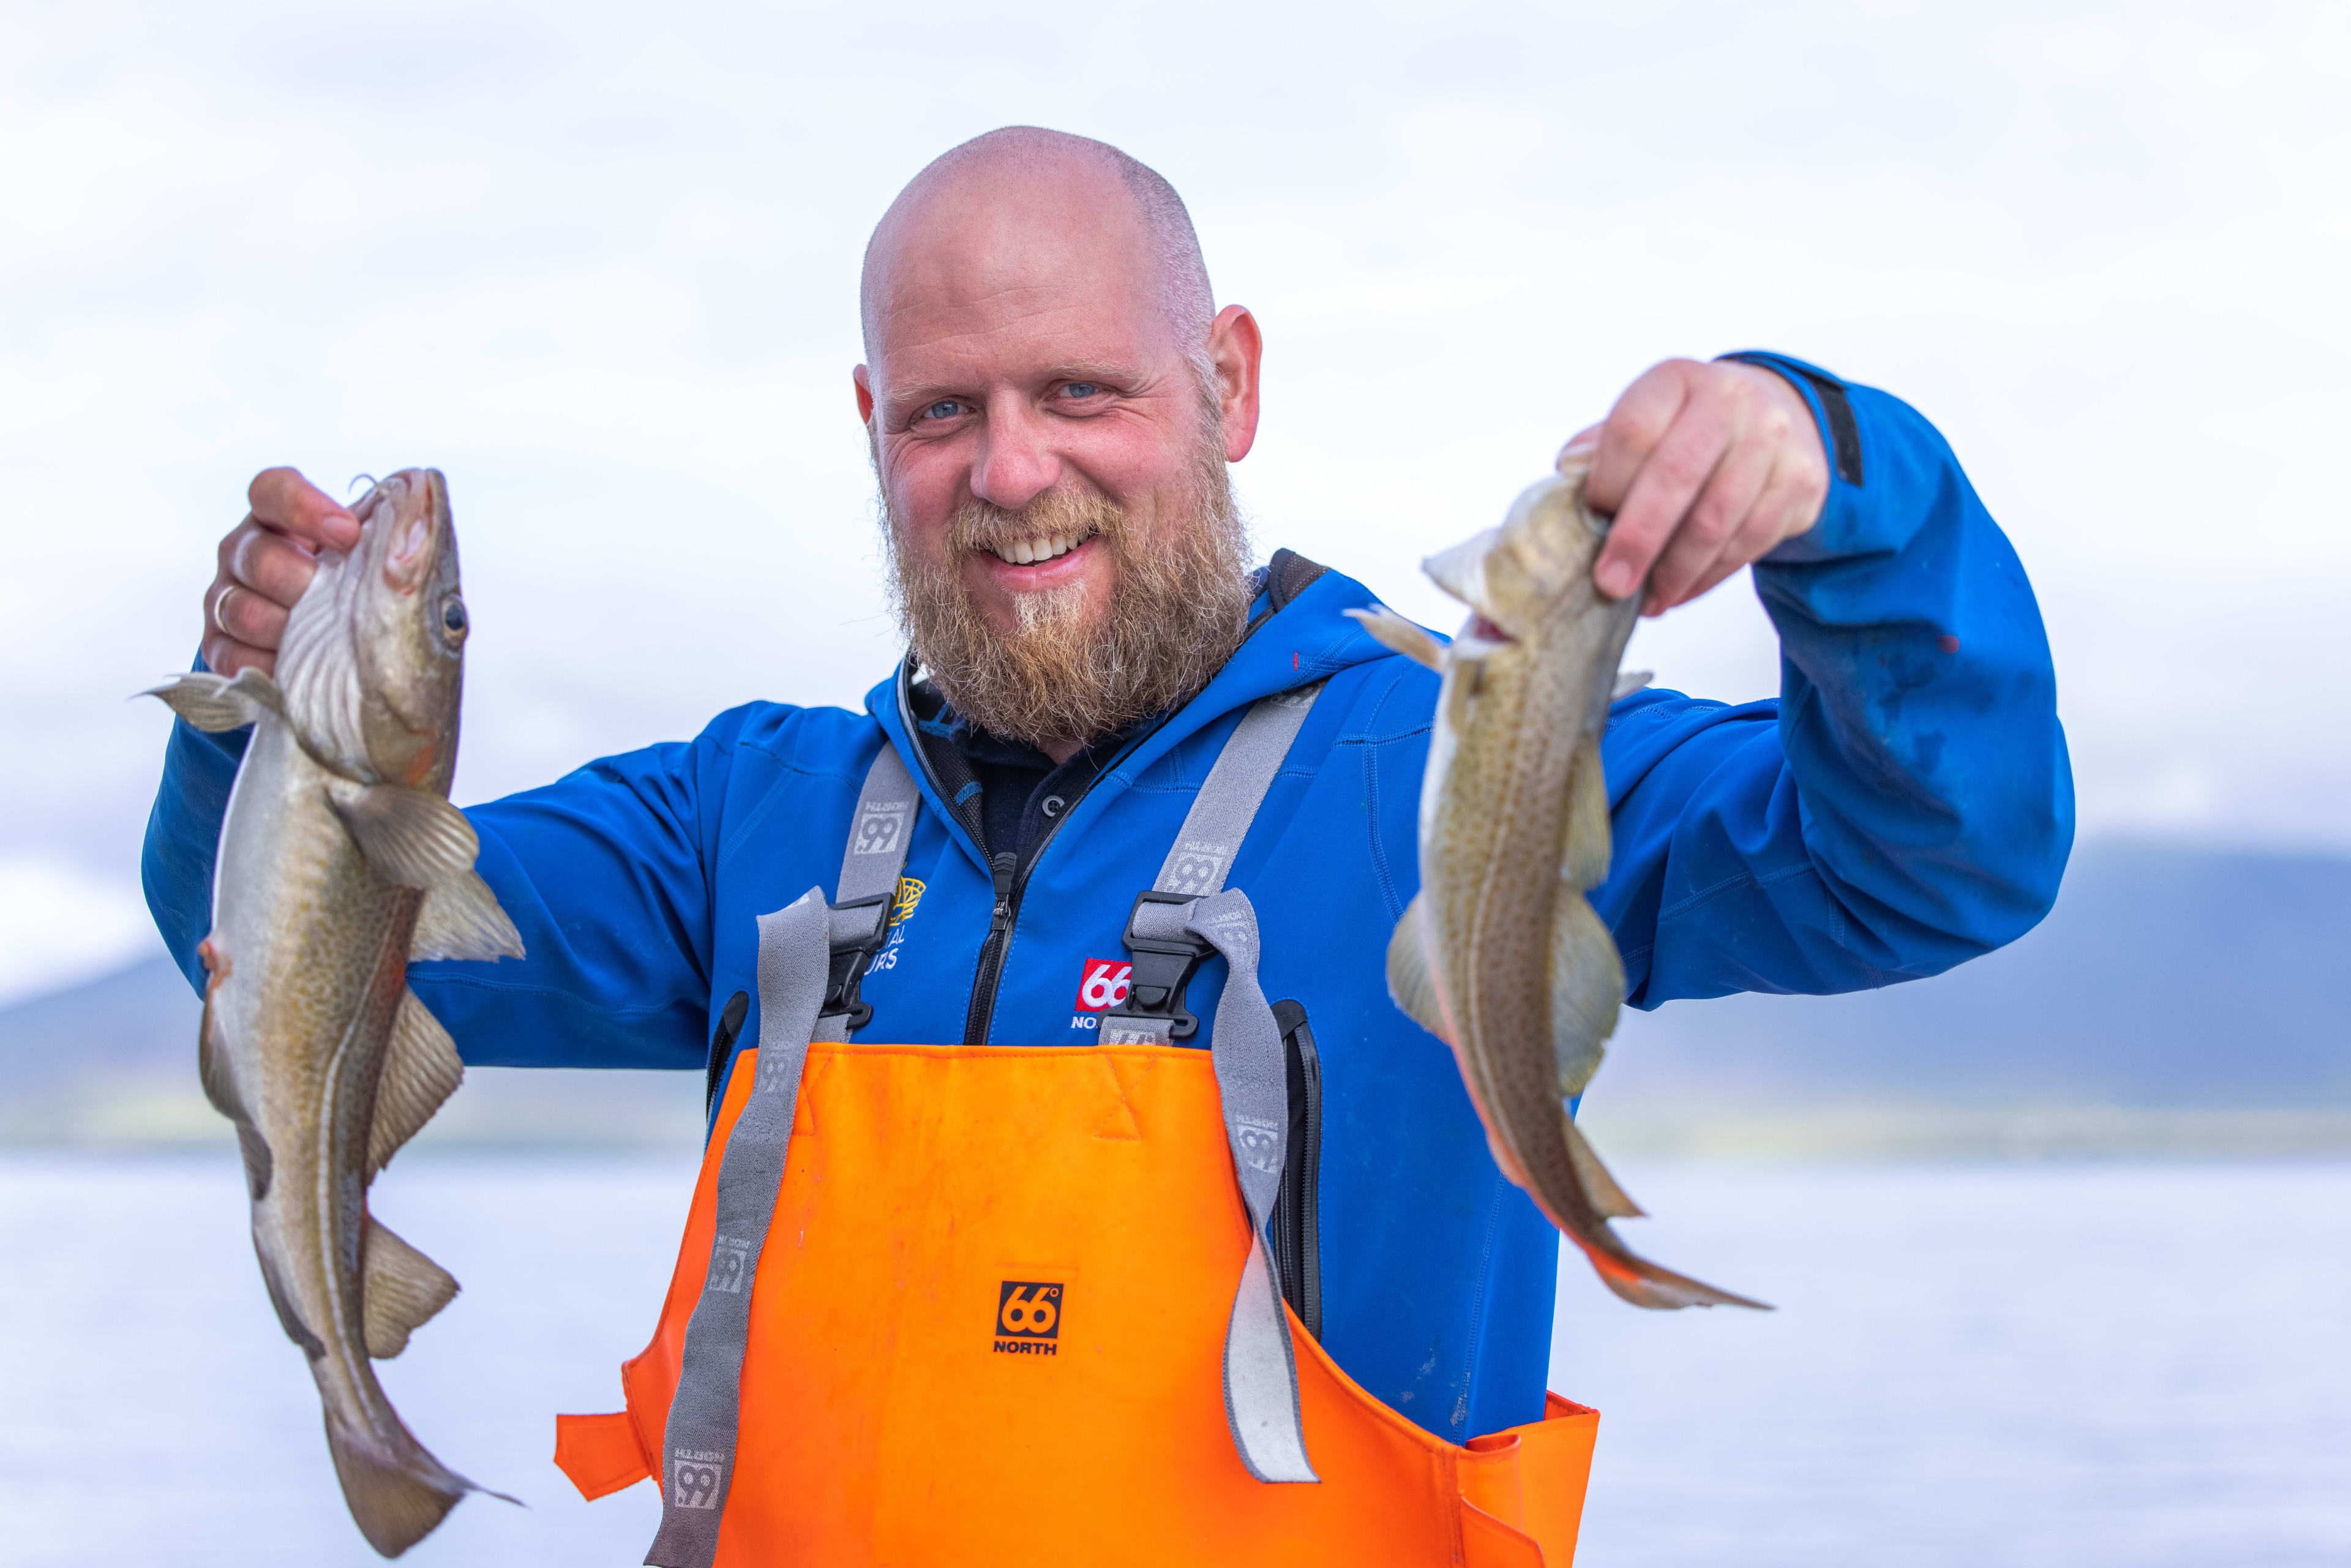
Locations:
column 1907, row 803
column 603, row 871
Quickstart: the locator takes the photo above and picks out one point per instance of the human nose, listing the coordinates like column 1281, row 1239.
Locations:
column 1015, row 461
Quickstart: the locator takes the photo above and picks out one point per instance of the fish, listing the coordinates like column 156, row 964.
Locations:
column 340, row 860
column 1501, row 954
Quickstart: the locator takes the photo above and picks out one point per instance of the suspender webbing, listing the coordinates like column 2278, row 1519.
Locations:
column 811, row 958
column 1188, row 914
column 870, row 869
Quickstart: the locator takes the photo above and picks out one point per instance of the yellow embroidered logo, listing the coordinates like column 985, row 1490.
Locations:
column 1028, row 1317
column 910, row 894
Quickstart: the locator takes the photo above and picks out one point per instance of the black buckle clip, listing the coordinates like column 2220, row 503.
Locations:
column 1163, row 967
column 849, row 962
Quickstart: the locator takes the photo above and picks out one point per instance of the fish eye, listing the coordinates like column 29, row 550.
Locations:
column 452, row 618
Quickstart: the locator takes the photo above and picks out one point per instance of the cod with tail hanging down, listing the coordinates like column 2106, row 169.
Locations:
column 341, row 860
column 1499, row 955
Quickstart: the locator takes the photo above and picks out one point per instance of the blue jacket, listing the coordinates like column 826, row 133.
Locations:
column 1904, row 805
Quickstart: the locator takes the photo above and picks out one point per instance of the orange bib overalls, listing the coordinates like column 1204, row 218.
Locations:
column 978, row 1307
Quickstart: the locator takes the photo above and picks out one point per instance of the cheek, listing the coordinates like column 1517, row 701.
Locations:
column 922, row 484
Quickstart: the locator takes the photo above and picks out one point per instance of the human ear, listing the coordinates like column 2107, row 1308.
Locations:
column 1235, row 346
column 864, row 394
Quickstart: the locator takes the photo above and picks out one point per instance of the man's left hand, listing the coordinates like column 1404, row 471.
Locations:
column 1705, row 467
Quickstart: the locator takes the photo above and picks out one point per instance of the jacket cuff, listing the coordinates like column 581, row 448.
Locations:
column 1844, row 527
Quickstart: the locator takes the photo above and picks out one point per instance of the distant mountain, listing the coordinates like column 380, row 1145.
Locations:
column 2165, row 976
column 2175, row 981
column 132, row 1023
column 113, row 1062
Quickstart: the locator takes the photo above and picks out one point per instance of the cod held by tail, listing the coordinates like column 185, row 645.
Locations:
column 340, row 860
column 1500, row 954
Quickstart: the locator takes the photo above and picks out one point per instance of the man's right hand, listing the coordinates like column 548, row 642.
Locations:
column 266, row 563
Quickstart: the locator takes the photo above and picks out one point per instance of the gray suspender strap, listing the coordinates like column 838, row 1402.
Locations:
column 870, row 869
column 810, row 960
column 1165, row 953
column 1187, row 913
column 698, row 1444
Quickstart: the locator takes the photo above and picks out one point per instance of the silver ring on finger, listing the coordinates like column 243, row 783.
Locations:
column 220, row 606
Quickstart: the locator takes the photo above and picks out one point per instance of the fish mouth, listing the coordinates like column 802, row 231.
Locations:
column 1481, row 630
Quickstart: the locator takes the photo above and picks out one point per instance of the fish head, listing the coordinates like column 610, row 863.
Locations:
column 1517, row 576
column 408, row 627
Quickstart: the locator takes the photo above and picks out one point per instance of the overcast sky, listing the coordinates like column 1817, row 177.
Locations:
column 599, row 264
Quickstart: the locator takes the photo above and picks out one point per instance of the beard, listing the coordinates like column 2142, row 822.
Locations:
column 1071, row 670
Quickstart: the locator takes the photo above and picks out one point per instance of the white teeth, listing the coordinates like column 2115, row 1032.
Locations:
column 1025, row 552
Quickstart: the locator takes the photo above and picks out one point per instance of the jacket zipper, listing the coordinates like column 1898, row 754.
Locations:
column 981, row 1013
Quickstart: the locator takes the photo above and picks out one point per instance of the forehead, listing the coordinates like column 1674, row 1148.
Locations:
column 1015, row 274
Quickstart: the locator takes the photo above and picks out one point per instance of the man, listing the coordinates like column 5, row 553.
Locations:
column 1053, row 397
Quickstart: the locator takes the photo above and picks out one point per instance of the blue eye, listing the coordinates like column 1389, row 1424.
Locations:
column 946, row 407
column 1081, row 389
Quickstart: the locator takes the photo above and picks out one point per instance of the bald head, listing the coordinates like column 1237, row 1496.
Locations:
column 1007, row 208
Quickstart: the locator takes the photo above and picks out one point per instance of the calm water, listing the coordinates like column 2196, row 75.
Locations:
column 2109, row 1364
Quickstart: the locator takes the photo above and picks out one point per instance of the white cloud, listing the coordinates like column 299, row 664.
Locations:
column 600, row 268
column 59, row 925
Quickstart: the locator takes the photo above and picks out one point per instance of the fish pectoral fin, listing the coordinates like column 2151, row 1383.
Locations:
column 399, row 1290
column 411, row 837
column 420, row 1071
column 215, row 703
column 1630, row 681
column 1409, row 982
column 1607, row 1199
column 1398, row 635
column 460, row 918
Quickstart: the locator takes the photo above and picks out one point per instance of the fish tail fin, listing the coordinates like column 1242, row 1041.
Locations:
column 397, row 1492
column 1645, row 1284
column 1623, row 1270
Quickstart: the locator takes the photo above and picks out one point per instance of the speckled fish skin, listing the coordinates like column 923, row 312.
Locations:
column 1500, row 954
column 341, row 859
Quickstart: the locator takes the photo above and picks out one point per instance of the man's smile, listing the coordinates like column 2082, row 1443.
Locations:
column 1044, row 563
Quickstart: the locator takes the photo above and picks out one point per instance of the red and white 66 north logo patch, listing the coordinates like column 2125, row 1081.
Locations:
column 1103, row 984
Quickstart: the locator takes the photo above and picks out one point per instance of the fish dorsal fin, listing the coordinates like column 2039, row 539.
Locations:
column 460, row 918
column 1461, row 570
column 1399, row 635
column 411, row 837
column 1608, row 1199
column 1408, row 979
column 421, row 1069
column 399, row 1290
column 214, row 703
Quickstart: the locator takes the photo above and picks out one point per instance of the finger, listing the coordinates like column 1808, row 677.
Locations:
column 1781, row 512
column 1580, row 444
column 1632, row 430
column 245, row 616
column 1663, row 490
column 282, row 499
column 269, row 564
column 225, row 655
column 1715, row 520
